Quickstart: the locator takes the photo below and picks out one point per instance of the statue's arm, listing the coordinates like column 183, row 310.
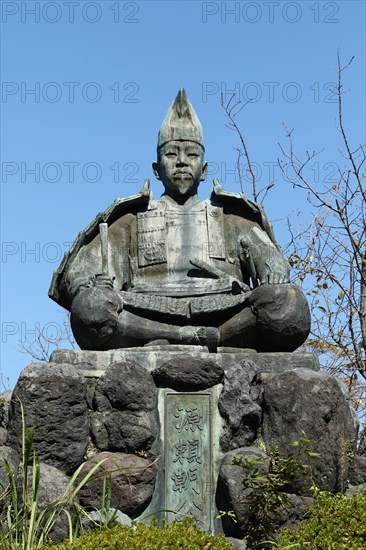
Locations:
column 95, row 303
column 82, row 272
column 262, row 259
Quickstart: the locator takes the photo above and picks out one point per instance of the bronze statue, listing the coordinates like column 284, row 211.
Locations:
column 178, row 270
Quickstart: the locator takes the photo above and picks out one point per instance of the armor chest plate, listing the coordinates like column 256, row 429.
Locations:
column 176, row 235
column 186, row 238
column 151, row 238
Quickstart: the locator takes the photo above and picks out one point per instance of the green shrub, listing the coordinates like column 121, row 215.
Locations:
column 337, row 522
column 264, row 489
column 184, row 535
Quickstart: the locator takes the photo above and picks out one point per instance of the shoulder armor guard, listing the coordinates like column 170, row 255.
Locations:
column 119, row 207
column 245, row 205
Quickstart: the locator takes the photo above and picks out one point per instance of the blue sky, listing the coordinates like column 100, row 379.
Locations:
column 103, row 75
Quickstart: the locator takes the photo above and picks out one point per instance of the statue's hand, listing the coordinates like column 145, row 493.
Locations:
column 274, row 277
column 271, row 267
column 265, row 263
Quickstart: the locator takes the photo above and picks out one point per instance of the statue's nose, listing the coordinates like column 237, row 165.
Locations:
column 181, row 160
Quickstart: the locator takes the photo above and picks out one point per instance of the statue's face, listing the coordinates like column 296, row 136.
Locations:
column 180, row 167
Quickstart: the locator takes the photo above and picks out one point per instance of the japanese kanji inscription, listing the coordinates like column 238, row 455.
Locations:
column 188, row 461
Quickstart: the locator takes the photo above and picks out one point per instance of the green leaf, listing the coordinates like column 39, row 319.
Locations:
column 312, row 454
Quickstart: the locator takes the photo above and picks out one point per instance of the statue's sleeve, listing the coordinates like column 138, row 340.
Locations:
column 83, row 269
column 87, row 263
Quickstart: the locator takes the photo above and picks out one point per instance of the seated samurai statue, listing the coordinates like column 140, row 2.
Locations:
column 177, row 270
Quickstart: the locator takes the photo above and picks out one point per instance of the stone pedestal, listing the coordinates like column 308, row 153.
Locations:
column 170, row 417
column 196, row 428
column 93, row 364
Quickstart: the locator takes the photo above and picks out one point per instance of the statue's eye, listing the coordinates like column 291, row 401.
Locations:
column 170, row 154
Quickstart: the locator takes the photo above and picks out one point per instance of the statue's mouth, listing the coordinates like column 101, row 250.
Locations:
column 182, row 174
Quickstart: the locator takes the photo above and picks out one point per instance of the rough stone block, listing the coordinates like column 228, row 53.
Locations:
column 231, row 494
column 12, row 458
column 3, row 436
column 52, row 486
column 124, row 402
column 189, row 372
column 132, row 481
column 314, row 405
column 125, row 386
column 5, row 400
column 53, row 399
column 240, row 405
column 357, row 474
column 123, row 431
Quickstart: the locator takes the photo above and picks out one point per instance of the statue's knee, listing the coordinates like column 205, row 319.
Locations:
column 94, row 315
column 283, row 316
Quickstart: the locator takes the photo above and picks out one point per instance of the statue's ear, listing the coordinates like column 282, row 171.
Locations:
column 204, row 171
column 155, row 168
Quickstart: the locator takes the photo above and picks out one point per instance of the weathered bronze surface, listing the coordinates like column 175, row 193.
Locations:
column 177, row 270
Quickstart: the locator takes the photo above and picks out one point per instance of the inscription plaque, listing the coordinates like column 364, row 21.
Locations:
column 188, row 461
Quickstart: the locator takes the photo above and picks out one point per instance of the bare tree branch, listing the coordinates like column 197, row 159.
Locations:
column 43, row 345
column 328, row 256
column 232, row 114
